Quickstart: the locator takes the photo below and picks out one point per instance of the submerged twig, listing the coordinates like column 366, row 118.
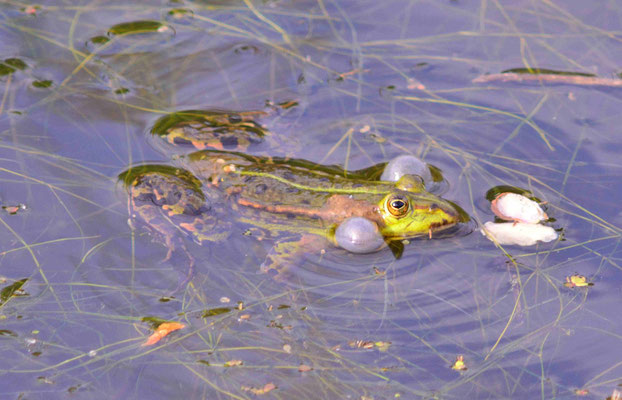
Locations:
column 568, row 79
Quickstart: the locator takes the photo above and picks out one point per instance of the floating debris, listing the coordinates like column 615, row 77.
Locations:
column 162, row 331
column 414, row 84
column 518, row 233
column 513, row 204
column 31, row 9
column 268, row 387
column 14, row 289
column 304, row 368
column 577, row 280
column 178, row 15
column 549, row 76
column 459, row 364
column 233, row 363
column 361, row 344
column 515, row 207
column 369, row 344
column 12, row 210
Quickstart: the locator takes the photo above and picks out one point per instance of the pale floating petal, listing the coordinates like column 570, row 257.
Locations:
column 516, row 207
column 406, row 165
column 519, row 233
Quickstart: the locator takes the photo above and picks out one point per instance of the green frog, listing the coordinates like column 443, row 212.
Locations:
column 305, row 206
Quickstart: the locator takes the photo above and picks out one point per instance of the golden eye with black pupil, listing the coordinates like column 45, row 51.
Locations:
column 397, row 206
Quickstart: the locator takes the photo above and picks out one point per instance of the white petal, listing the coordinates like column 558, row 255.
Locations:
column 512, row 206
column 520, row 233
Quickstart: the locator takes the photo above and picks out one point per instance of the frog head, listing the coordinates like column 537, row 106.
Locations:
column 406, row 214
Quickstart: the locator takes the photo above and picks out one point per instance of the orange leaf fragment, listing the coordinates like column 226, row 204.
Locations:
column 268, row 387
column 163, row 329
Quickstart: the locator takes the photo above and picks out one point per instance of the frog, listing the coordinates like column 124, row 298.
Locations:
column 302, row 205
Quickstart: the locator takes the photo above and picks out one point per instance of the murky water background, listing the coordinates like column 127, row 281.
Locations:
column 372, row 80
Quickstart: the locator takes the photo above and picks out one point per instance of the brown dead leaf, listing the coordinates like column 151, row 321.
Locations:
column 163, row 329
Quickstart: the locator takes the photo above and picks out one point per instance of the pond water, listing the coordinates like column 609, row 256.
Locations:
column 350, row 83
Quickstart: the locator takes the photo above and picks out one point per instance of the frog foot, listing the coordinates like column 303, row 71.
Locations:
column 286, row 255
column 170, row 203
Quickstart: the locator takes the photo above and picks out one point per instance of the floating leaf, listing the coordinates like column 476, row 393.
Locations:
column 162, row 331
column 10, row 65
column 154, row 322
column 99, row 40
column 133, row 27
column 215, row 311
column 14, row 289
column 43, row 84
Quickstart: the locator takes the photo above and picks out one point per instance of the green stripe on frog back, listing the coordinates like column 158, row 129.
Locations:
column 362, row 190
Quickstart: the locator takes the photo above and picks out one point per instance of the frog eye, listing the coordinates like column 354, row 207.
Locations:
column 397, row 205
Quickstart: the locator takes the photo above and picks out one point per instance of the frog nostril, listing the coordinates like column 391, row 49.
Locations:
column 235, row 119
